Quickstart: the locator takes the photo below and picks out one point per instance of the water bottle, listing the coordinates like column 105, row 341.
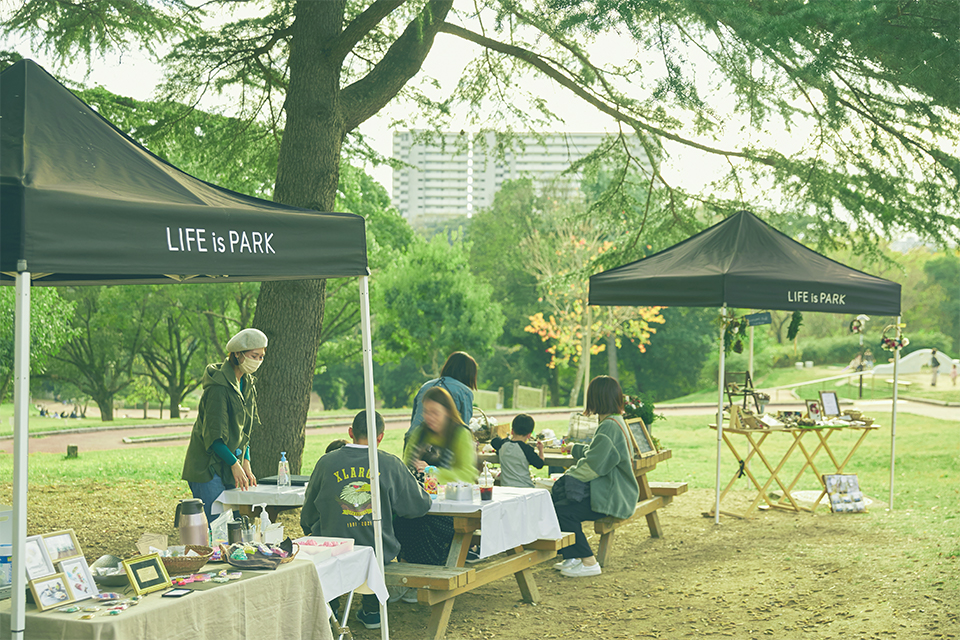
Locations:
column 283, row 471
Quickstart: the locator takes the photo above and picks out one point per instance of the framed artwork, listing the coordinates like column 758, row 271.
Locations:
column 829, row 403
column 844, row 493
column 50, row 592
column 813, row 409
column 641, row 437
column 37, row 559
column 79, row 580
column 147, row 573
column 62, row 545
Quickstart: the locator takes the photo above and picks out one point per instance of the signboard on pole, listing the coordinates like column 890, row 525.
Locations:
column 756, row 319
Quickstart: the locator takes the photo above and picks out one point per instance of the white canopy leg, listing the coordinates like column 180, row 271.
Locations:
column 21, row 404
column 723, row 326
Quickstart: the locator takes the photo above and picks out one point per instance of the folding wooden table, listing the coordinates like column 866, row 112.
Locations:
column 755, row 438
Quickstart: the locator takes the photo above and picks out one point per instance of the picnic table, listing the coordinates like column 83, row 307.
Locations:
column 520, row 522
column 653, row 495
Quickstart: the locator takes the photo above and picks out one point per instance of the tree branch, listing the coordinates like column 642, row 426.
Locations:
column 402, row 61
column 361, row 26
column 539, row 63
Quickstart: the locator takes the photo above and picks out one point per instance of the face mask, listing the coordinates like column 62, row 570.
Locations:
column 249, row 365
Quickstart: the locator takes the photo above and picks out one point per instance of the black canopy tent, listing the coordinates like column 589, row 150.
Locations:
column 83, row 204
column 745, row 263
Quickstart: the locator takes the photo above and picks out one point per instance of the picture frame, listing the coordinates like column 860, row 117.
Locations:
column 62, row 545
column 147, row 574
column 643, row 442
column 813, row 409
column 50, row 591
column 79, row 580
column 843, row 491
column 38, row 562
column 829, row 404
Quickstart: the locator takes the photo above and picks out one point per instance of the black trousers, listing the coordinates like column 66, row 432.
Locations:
column 571, row 515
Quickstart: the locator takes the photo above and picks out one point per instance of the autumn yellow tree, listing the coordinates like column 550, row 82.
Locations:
column 562, row 256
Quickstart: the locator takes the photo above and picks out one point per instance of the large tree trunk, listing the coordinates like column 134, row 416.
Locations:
column 105, row 404
column 291, row 313
column 612, row 369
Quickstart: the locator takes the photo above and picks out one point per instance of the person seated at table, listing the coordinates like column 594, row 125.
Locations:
column 459, row 377
column 336, row 444
column 440, row 441
column 338, row 501
column 516, row 455
column 605, row 467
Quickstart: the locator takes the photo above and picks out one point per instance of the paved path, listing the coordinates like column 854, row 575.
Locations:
column 113, row 439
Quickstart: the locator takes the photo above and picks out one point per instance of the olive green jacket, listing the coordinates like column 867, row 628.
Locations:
column 607, row 464
column 225, row 414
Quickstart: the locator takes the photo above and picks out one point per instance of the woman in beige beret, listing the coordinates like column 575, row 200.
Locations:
column 218, row 456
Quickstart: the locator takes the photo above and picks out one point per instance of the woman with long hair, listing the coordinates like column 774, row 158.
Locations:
column 440, row 441
column 459, row 378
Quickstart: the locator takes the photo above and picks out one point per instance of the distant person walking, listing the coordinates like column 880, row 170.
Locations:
column 953, row 374
column 934, row 367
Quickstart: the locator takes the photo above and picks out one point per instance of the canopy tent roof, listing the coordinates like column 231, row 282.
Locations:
column 745, row 263
column 82, row 203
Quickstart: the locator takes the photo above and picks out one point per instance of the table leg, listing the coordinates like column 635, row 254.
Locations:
column 653, row 520
column 528, row 586
column 439, row 618
column 774, row 473
column 745, row 466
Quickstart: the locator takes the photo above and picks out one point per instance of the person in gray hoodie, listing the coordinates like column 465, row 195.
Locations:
column 338, row 501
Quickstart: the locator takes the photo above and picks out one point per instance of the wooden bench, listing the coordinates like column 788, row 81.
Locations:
column 662, row 494
column 427, row 576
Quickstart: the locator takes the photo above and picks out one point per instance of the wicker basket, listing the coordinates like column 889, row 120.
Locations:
column 581, row 428
column 188, row 564
column 289, row 558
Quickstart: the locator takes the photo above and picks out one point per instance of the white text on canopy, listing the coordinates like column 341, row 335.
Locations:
column 814, row 297
column 190, row 239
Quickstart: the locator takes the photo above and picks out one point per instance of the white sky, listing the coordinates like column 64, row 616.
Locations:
column 135, row 75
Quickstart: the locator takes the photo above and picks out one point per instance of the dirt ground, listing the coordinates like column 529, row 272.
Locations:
column 779, row 575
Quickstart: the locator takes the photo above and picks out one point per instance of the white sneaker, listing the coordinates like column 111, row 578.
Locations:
column 566, row 564
column 410, row 596
column 581, row 571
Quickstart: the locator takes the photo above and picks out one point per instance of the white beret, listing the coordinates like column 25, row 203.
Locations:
column 247, row 340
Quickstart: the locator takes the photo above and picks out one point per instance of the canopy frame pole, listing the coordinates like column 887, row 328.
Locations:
column 21, row 402
column 723, row 328
column 893, row 415
column 373, row 460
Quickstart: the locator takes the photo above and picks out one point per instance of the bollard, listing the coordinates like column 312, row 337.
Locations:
column 72, row 451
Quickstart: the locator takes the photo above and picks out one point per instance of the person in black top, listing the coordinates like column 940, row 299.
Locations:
column 516, row 455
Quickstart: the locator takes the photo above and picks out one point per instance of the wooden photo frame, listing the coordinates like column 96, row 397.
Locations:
column 79, row 580
column 830, row 404
column 641, row 436
column 813, row 410
column 844, row 493
column 147, row 573
column 50, row 591
column 62, row 545
column 38, row 563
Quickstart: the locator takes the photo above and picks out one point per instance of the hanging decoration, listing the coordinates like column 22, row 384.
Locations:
column 795, row 321
column 734, row 330
column 894, row 342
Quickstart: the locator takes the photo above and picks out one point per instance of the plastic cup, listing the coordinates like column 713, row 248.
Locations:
column 486, row 493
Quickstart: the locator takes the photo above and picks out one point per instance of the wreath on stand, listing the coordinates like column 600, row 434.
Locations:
column 896, row 342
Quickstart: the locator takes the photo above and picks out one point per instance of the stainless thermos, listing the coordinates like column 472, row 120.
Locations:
column 192, row 522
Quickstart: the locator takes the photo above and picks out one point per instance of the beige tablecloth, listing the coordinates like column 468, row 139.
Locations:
column 286, row 603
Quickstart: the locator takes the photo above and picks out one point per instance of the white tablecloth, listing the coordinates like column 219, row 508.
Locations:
column 514, row 516
column 344, row 573
column 271, row 495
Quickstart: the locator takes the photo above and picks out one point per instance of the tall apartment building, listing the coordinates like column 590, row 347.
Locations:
column 458, row 174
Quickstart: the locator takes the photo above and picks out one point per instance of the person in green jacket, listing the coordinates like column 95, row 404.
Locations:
column 606, row 466
column 218, row 456
column 444, row 442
